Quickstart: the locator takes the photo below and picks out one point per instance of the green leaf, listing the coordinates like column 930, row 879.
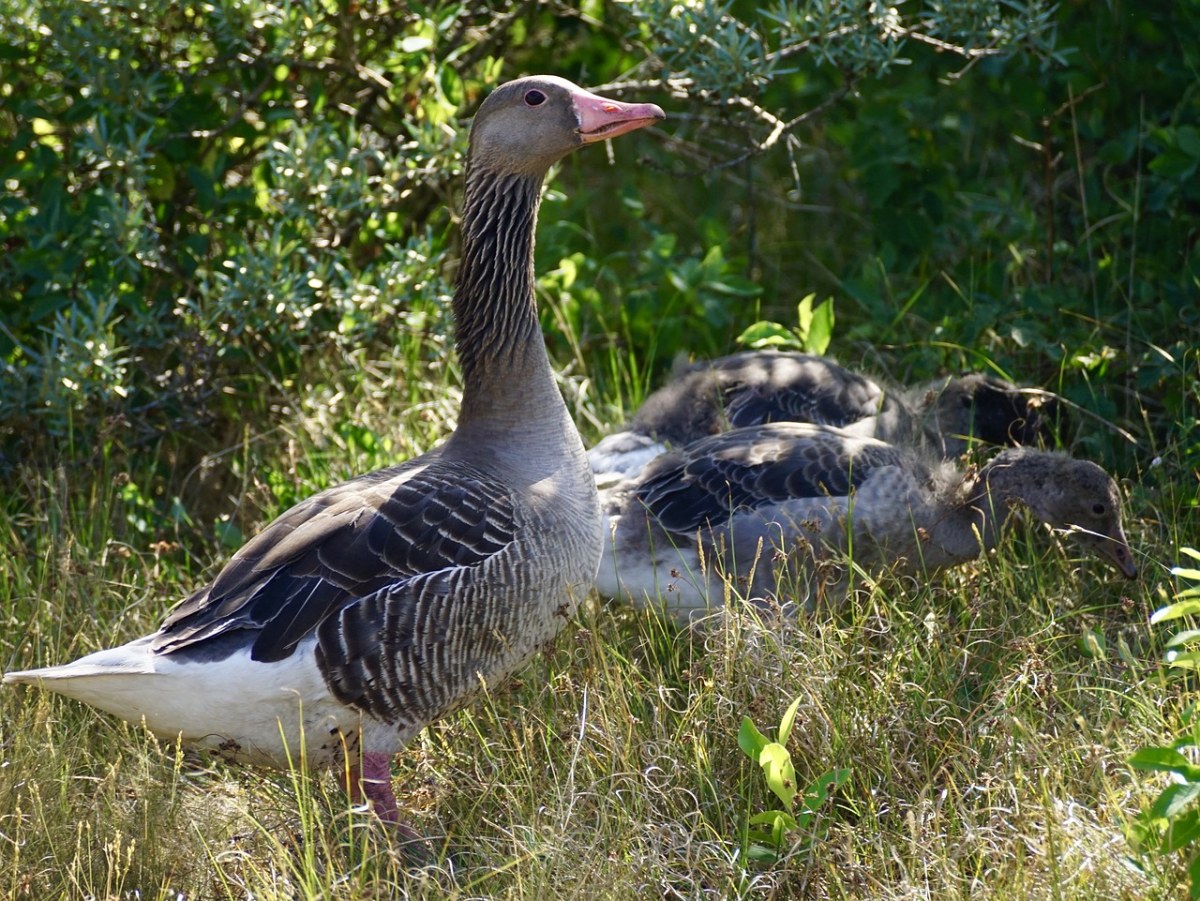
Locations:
column 820, row 330
column 771, row 817
column 766, row 334
column 818, row 793
column 750, row 740
column 789, row 719
column 1175, row 611
column 1125, row 653
column 415, row 43
column 762, row 854
column 1183, row 637
column 804, row 316
column 1187, row 139
column 1174, row 799
column 1093, row 644
column 1164, row 760
column 1144, row 832
column 777, row 767
column 1183, row 831
column 1194, row 877
column 1185, row 572
column 1190, row 552
column 1183, row 659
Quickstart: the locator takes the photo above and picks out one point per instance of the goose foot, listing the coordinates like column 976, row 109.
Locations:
column 371, row 780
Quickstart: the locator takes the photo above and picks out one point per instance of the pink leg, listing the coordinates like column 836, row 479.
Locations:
column 372, row 779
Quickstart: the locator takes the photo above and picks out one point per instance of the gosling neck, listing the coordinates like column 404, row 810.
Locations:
column 1010, row 479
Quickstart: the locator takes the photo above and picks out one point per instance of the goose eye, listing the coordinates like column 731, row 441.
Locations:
column 1098, row 509
column 534, row 98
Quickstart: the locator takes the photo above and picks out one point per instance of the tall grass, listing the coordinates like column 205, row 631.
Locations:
column 986, row 716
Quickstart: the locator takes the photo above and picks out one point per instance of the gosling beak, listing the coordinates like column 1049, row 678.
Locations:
column 1117, row 550
column 601, row 118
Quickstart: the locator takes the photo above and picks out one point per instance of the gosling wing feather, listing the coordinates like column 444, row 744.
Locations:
column 751, row 467
column 792, row 388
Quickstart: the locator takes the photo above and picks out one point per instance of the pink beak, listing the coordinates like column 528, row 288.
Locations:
column 601, row 118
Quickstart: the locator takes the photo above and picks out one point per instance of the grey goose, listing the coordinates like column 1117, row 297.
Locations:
column 762, row 386
column 773, row 507
column 383, row 603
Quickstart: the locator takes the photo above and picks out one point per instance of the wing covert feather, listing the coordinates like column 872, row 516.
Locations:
column 346, row 543
column 751, row 467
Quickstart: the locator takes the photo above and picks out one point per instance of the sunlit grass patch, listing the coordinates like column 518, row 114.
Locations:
column 985, row 715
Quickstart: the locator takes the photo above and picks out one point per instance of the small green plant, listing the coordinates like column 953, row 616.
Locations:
column 1172, row 822
column 767, row 830
column 812, row 333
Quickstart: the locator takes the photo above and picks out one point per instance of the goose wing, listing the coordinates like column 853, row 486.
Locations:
column 712, row 479
column 350, row 541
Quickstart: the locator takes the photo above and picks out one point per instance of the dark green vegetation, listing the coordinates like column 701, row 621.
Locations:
column 226, row 246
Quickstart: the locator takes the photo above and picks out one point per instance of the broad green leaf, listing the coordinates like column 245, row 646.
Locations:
column 1190, row 552
column 762, row 854
column 1164, row 760
column 804, row 315
column 750, row 740
column 1183, row 831
column 1194, row 877
column 1183, row 637
column 1144, row 831
column 771, row 817
column 777, row 767
column 415, row 43
column 818, row 793
column 789, row 719
column 820, row 330
column 1124, row 652
column 779, row 823
column 764, row 334
column 1189, row 607
column 1183, row 659
column 1174, row 799
column 1093, row 644
column 1185, row 573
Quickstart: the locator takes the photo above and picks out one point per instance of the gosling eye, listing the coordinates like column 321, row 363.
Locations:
column 1098, row 509
column 534, row 97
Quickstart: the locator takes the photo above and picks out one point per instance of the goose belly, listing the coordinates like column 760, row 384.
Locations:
column 244, row 710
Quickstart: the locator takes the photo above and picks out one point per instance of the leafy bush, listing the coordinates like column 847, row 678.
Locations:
column 1171, row 825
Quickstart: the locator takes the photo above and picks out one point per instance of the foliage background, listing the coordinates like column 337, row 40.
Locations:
column 227, row 240
column 197, row 199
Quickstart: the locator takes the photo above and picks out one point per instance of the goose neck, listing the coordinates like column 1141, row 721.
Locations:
column 498, row 337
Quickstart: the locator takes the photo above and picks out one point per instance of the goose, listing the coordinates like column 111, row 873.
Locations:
column 756, row 387
column 774, row 506
column 384, row 603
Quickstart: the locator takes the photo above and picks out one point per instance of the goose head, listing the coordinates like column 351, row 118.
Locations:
column 527, row 125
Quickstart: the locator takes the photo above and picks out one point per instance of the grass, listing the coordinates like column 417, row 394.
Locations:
column 986, row 717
